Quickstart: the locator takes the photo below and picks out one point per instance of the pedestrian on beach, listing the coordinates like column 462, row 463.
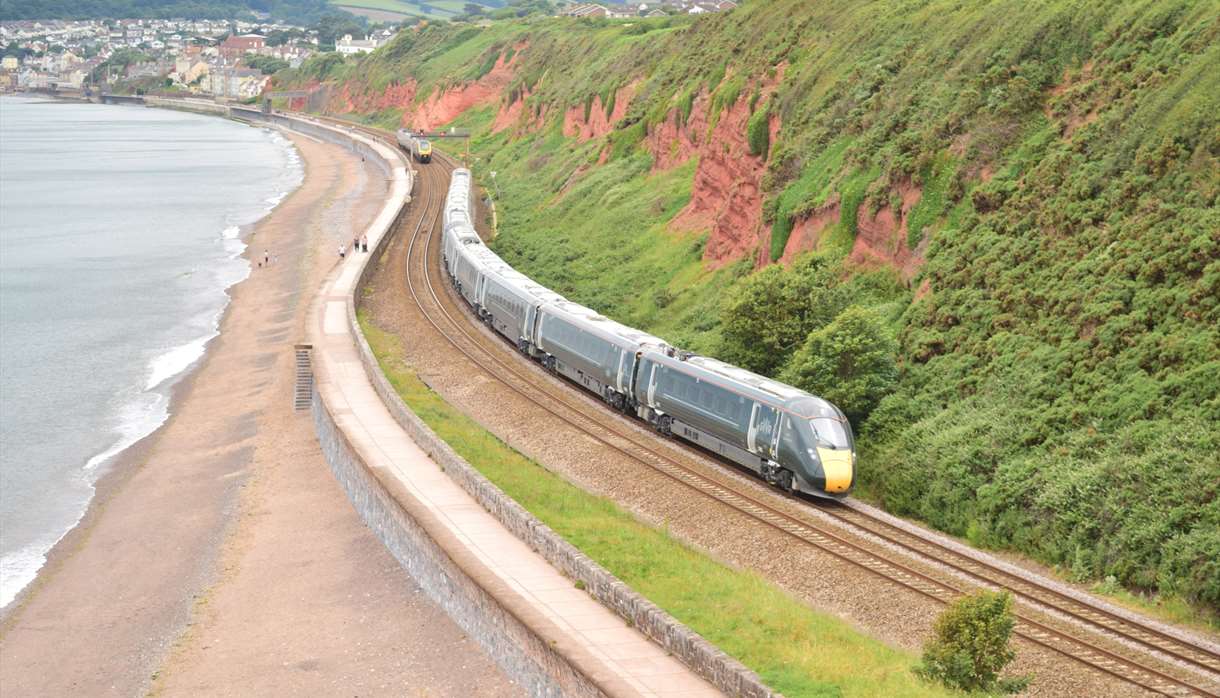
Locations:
column 266, row 258
column 342, row 250
column 364, row 243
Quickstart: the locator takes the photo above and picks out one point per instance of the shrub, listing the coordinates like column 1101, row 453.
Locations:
column 767, row 315
column 758, row 131
column 850, row 362
column 969, row 647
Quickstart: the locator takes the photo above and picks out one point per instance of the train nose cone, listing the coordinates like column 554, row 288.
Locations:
column 836, row 465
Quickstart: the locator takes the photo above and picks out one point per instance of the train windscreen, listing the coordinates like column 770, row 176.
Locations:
column 831, row 432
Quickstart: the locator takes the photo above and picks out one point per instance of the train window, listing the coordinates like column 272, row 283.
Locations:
column 831, row 432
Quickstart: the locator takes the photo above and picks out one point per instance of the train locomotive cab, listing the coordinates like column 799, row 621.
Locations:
column 816, row 443
column 423, row 150
column 793, row 440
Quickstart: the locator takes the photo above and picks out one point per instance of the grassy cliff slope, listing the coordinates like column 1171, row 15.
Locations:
column 997, row 229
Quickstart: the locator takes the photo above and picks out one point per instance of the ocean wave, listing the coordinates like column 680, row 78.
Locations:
column 18, row 568
column 137, row 418
column 176, row 360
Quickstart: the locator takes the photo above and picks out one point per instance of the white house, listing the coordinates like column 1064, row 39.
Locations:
column 349, row 46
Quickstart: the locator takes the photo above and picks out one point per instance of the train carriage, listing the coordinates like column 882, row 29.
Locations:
column 458, row 202
column 415, row 144
column 511, row 301
column 475, row 265
column 455, row 236
column 597, row 353
column 791, row 438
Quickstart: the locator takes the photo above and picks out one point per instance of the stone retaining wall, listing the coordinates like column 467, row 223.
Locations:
column 516, row 648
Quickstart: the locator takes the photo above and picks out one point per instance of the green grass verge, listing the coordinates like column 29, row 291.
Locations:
column 794, row 649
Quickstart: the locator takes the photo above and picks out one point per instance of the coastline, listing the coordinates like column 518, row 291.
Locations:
column 220, row 555
column 112, row 465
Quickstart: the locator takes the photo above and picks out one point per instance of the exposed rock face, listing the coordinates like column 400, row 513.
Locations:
column 726, row 195
column 440, row 107
column 881, row 239
column 673, row 142
column 443, row 106
column 807, row 232
column 599, row 123
column 511, row 113
column 396, row 96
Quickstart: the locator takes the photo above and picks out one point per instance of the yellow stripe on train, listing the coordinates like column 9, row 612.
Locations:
column 836, row 465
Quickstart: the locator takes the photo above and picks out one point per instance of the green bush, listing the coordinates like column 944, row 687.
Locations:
column 758, row 131
column 766, row 316
column 970, row 645
column 850, row 362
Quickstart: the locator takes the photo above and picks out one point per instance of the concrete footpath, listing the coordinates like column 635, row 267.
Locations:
column 603, row 654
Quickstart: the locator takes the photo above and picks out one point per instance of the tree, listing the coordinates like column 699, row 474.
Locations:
column 767, row 315
column 850, row 362
column 970, row 644
column 266, row 64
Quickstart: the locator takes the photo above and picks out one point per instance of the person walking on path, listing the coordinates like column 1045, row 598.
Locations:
column 364, row 243
column 266, row 258
column 342, row 250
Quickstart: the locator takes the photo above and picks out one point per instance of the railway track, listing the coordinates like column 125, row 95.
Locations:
column 1118, row 646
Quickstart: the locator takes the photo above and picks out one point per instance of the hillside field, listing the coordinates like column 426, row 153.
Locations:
column 990, row 232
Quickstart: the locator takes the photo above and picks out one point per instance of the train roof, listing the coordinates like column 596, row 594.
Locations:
column 524, row 284
column 793, row 399
column 462, row 230
column 593, row 320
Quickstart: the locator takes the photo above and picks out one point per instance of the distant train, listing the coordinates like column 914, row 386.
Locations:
column 415, row 144
column 794, row 440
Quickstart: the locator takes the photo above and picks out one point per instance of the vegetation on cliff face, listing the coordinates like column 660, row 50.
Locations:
column 1013, row 209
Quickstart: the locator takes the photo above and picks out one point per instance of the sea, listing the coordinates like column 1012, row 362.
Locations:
column 121, row 232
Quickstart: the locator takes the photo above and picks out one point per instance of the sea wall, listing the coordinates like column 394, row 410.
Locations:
column 509, row 631
column 403, row 524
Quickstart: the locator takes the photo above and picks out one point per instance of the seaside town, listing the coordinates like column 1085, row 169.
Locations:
column 230, row 59
column 222, row 58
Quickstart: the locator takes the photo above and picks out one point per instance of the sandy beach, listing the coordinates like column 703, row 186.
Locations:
column 219, row 556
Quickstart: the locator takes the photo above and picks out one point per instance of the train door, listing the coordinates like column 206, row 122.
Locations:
column 480, row 287
column 764, row 429
column 652, row 385
column 623, row 380
column 527, row 330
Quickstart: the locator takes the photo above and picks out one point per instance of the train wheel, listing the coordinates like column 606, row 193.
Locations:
column 785, row 480
column 665, row 425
